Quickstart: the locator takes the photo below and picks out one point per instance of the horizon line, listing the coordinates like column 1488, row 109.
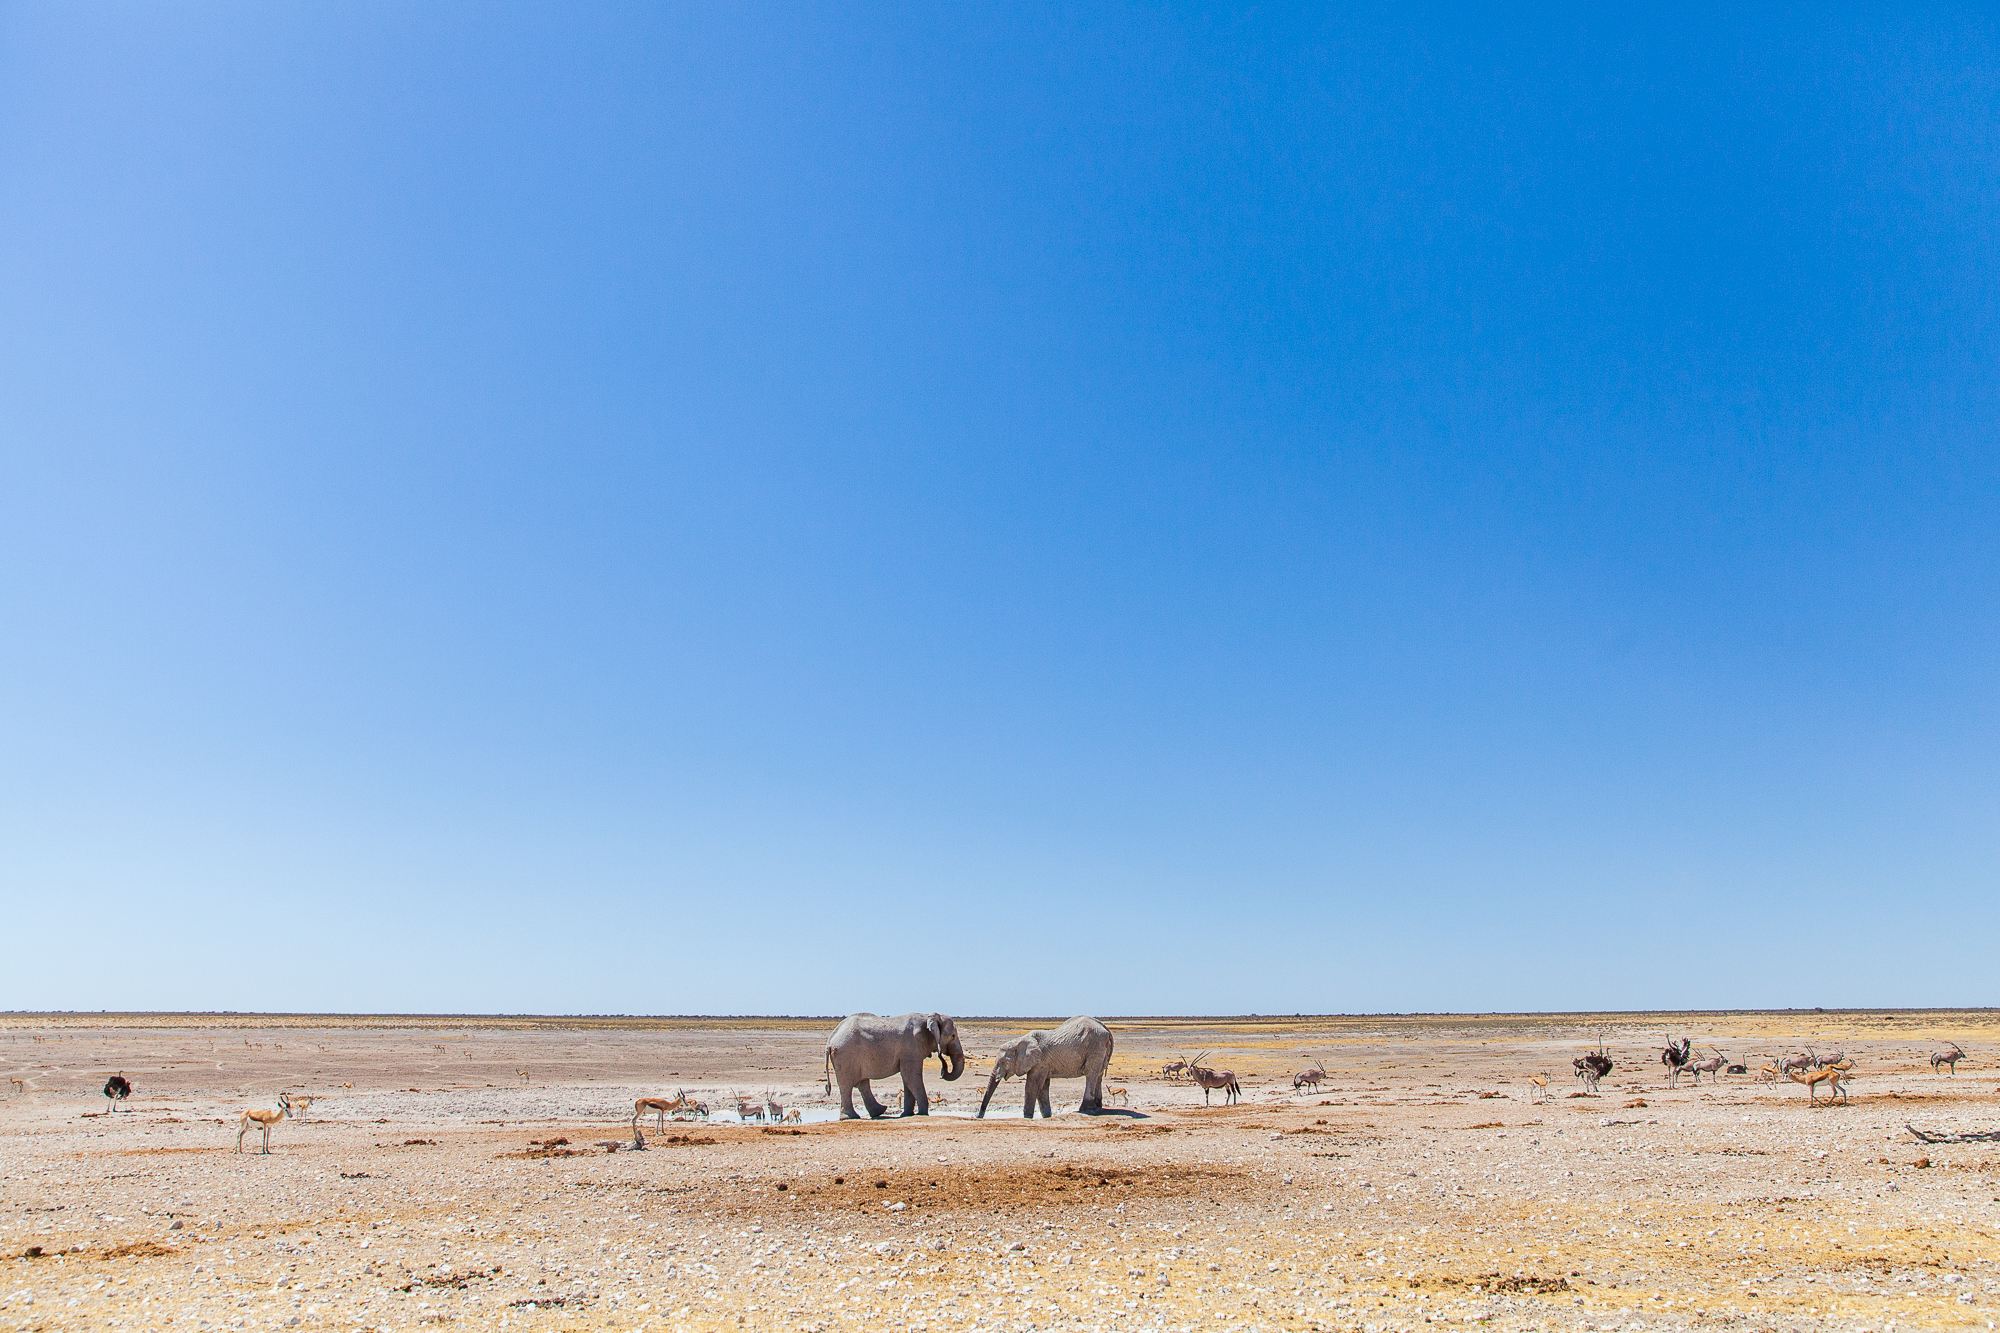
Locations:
column 12, row 1014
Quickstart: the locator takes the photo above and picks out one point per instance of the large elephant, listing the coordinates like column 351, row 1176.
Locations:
column 867, row 1046
column 1080, row 1048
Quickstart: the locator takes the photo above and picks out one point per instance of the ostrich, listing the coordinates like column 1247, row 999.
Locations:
column 1675, row 1058
column 116, row 1090
column 1592, row 1067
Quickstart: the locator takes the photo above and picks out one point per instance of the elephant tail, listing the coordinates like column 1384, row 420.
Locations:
column 828, row 1071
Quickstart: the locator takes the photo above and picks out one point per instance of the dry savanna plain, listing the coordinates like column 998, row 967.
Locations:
column 479, row 1173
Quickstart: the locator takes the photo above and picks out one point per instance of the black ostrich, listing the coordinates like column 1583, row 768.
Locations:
column 1590, row 1068
column 116, row 1090
column 1675, row 1058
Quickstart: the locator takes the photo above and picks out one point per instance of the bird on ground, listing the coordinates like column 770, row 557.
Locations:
column 116, row 1090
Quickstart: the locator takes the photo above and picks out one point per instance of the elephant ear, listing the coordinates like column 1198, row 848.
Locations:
column 934, row 1033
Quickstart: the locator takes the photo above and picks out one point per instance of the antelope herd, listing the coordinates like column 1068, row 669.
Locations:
column 1835, row 1069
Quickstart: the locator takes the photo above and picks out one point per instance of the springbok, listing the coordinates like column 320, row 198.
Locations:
column 300, row 1105
column 1769, row 1073
column 1116, row 1095
column 1538, row 1087
column 1310, row 1078
column 1212, row 1079
column 1812, row 1078
column 19, row 1086
column 1948, row 1058
column 793, row 1117
column 658, row 1107
column 524, row 1076
column 263, row 1120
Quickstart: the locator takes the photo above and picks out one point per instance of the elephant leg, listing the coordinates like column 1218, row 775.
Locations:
column 1028, row 1099
column 875, row 1109
column 1048, row 1112
column 1093, row 1092
column 847, row 1111
column 916, row 1101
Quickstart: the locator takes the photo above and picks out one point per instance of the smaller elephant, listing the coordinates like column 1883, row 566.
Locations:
column 1080, row 1048
column 868, row 1046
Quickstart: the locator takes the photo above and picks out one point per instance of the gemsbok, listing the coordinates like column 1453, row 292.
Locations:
column 1712, row 1067
column 1310, row 1079
column 1214, row 1079
column 1948, row 1059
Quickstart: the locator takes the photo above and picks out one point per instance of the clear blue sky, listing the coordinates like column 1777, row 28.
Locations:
column 633, row 509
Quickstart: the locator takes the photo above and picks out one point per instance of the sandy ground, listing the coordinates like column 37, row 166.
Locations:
column 1423, row 1183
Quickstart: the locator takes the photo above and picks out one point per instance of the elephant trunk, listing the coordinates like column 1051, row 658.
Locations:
column 991, row 1084
column 952, row 1061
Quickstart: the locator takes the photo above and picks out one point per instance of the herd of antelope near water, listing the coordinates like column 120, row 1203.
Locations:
column 866, row 1047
